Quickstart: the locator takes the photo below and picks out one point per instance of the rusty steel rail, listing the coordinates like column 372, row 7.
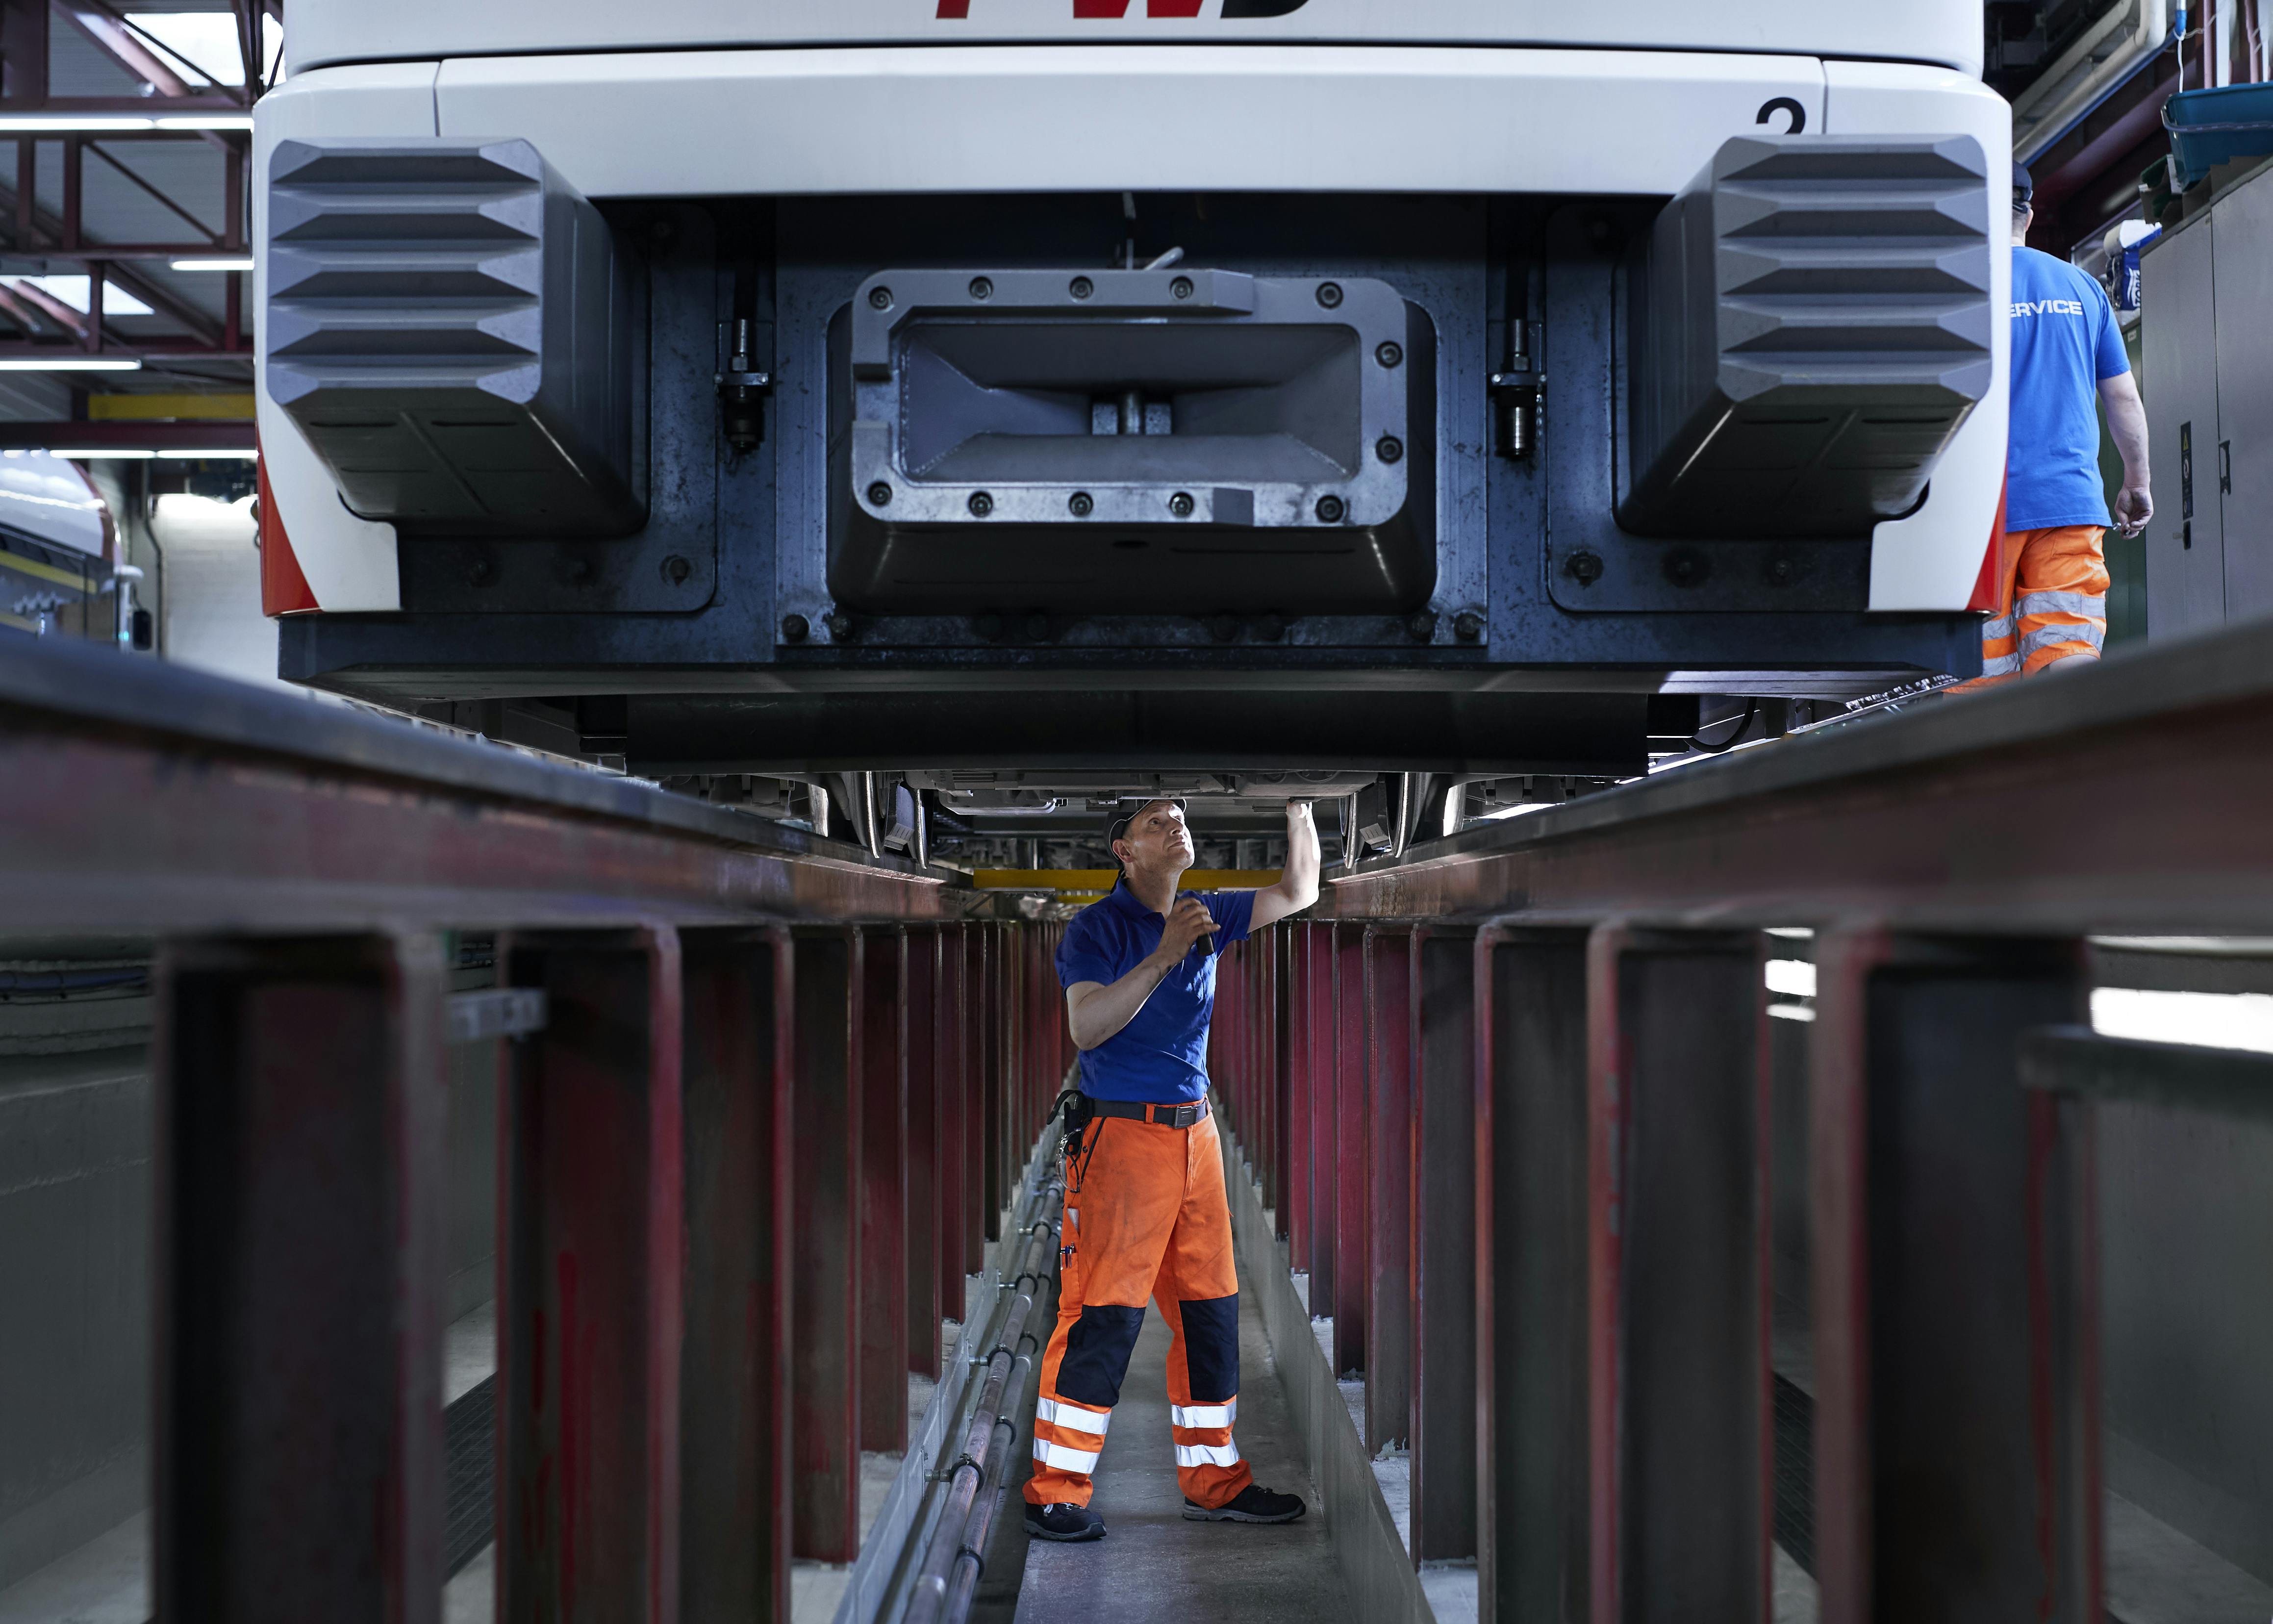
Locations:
column 157, row 799
column 1510, row 1098
column 763, row 1127
column 2126, row 797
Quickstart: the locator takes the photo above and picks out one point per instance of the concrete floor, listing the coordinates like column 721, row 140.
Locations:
column 1154, row 1565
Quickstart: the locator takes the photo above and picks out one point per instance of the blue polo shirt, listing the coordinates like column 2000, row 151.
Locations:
column 1160, row 1057
column 2065, row 344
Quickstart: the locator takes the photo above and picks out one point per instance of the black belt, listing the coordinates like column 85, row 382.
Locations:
column 1166, row 1115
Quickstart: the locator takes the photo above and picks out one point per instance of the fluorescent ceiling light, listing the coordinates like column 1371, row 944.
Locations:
column 69, row 124
column 68, row 364
column 143, row 454
column 214, row 265
column 121, row 124
column 72, row 291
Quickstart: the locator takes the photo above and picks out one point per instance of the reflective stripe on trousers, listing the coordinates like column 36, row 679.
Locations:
column 2052, row 602
column 1147, row 1219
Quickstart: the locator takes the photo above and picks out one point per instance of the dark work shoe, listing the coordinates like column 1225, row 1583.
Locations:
column 1064, row 1520
column 1252, row 1504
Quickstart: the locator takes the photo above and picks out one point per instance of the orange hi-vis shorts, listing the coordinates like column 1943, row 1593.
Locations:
column 2052, row 602
column 1145, row 1216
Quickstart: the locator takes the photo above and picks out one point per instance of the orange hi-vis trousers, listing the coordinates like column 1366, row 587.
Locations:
column 1145, row 1216
column 2052, row 602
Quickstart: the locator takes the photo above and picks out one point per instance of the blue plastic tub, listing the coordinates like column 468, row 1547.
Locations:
column 2213, row 126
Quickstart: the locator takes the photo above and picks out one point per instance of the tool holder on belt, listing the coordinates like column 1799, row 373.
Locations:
column 1075, row 1111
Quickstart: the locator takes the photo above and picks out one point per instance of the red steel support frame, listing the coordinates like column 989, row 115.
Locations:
column 1681, row 1463
column 1273, row 1081
column 1324, row 1118
column 1957, row 1403
column 879, row 1286
column 977, row 1146
column 299, row 1153
column 1443, row 1438
column 1531, row 1276
column 826, row 1239
column 994, row 1053
column 1389, row 1067
column 735, row 1383
column 950, row 1104
column 1295, row 1210
column 919, row 958
column 1352, row 1146
column 591, row 1220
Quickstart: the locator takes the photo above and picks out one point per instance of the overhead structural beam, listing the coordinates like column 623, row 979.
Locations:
column 53, row 309
column 124, row 45
column 36, row 321
column 46, row 224
column 218, row 437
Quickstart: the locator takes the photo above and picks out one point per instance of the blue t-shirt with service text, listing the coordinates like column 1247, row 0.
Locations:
column 1160, row 1057
column 2065, row 340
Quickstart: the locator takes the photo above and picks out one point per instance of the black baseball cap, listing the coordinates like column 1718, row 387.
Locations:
column 1124, row 813
column 2024, row 190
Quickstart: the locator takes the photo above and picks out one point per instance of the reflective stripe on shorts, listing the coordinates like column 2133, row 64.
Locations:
column 2052, row 636
column 2093, row 604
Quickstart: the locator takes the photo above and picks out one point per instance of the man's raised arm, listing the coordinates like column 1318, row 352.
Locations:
column 1298, row 882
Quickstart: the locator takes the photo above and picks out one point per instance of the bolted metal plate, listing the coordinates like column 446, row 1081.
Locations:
column 1062, row 436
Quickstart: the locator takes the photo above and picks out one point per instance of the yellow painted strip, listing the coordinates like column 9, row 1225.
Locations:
column 45, row 571
column 17, row 621
column 155, row 407
column 1099, row 881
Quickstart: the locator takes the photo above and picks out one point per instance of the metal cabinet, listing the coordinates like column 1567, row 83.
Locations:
column 2206, row 377
column 2185, row 540
column 2240, row 465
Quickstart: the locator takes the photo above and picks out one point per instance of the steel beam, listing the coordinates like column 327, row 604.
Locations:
column 1277, row 1188
column 1354, row 1151
column 824, row 1331
column 975, row 1224
column 1295, row 1210
column 880, row 1285
column 2236, row 1083
column 1531, row 1274
column 1825, row 826
column 1443, row 1001
column 1680, row 1470
column 993, row 1076
column 734, row 1383
column 301, row 816
column 950, row 1101
column 1957, row 1409
column 298, row 1426
column 591, row 1200
column 919, row 1038
column 110, row 435
column 1325, row 1125
column 1388, row 1074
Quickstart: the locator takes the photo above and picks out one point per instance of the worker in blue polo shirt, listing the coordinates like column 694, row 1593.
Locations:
column 2067, row 361
column 1145, row 1214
